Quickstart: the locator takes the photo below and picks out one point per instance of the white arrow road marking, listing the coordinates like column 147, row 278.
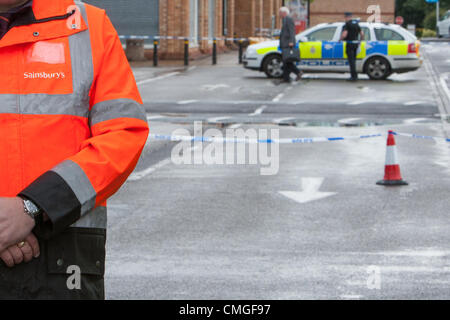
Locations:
column 310, row 191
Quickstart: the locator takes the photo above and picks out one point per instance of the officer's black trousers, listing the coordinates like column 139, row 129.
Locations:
column 46, row 277
column 352, row 51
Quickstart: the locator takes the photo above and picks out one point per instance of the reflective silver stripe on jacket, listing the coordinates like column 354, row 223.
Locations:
column 77, row 180
column 96, row 218
column 113, row 109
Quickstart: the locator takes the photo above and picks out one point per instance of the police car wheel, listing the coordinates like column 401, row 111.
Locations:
column 273, row 66
column 378, row 68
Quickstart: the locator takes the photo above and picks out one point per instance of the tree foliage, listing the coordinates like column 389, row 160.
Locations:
column 415, row 11
column 430, row 19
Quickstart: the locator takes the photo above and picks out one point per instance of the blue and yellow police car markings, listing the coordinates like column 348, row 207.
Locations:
column 311, row 50
column 398, row 48
column 317, row 50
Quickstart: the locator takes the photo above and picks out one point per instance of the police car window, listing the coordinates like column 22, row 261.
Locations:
column 325, row 34
column 366, row 31
column 387, row 34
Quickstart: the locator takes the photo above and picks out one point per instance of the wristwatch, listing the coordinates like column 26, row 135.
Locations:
column 31, row 209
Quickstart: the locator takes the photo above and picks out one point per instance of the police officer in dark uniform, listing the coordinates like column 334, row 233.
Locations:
column 350, row 33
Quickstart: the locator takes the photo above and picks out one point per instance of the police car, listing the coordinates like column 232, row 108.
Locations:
column 386, row 49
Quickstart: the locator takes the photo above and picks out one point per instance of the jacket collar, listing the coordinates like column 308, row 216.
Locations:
column 43, row 9
column 44, row 30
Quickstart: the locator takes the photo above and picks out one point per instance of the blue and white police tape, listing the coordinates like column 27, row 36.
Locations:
column 156, row 38
column 416, row 136
column 198, row 39
column 137, row 37
column 254, row 141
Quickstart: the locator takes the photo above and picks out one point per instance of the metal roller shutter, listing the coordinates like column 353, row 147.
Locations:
column 132, row 17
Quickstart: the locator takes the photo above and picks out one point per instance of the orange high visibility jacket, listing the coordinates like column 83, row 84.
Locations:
column 72, row 126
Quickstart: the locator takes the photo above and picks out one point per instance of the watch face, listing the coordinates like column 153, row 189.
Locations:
column 31, row 207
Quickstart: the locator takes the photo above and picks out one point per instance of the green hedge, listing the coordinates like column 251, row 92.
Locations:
column 427, row 33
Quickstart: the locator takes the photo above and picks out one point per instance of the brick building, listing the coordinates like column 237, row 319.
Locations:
column 200, row 19
column 212, row 18
column 196, row 19
column 253, row 15
column 333, row 10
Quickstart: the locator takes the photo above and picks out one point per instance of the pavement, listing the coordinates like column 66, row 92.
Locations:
column 438, row 67
column 318, row 229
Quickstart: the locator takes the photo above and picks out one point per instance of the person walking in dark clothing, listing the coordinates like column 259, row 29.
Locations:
column 350, row 34
column 287, row 41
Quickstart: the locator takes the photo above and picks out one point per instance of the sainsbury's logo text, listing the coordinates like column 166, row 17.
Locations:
column 44, row 75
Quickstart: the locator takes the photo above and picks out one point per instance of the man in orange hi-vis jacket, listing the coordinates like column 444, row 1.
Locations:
column 72, row 129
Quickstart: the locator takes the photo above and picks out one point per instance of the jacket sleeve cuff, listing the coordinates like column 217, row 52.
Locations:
column 57, row 199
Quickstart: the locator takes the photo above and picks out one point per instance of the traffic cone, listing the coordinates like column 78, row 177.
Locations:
column 392, row 175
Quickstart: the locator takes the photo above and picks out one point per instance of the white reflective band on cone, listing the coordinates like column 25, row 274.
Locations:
column 391, row 155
